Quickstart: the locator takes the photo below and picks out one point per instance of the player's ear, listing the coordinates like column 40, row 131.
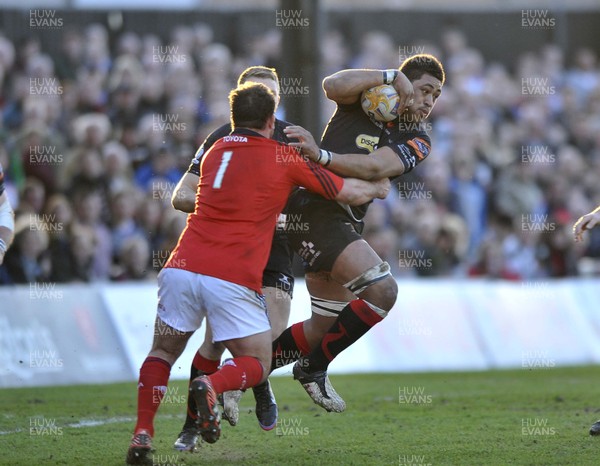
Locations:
column 271, row 122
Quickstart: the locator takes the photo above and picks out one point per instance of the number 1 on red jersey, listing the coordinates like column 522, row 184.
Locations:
column 225, row 158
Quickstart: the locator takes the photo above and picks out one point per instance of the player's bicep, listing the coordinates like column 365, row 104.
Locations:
column 385, row 164
column 410, row 153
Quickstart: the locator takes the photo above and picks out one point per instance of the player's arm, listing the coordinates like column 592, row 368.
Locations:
column 586, row 222
column 387, row 161
column 359, row 192
column 184, row 194
column 7, row 225
column 381, row 163
column 351, row 191
column 346, row 86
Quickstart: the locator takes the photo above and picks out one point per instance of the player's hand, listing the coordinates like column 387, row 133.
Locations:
column 405, row 91
column 306, row 143
column 587, row 222
column 383, row 185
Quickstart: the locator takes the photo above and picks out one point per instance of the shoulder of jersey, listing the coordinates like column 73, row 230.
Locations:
column 278, row 134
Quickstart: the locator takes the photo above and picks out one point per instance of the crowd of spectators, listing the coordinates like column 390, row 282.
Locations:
column 94, row 139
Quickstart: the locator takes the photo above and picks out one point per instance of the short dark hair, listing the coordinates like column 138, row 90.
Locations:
column 417, row 65
column 251, row 105
column 262, row 72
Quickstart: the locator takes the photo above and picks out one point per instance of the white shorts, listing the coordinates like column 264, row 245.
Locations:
column 232, row 310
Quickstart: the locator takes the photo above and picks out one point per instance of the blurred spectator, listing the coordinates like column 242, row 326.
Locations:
column 88, row 206
column 27, row 261
column 58, row 216
column 134, row 260
column 123, row 205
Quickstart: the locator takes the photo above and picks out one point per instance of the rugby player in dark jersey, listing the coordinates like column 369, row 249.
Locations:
column 278, row 281
column 351, row 288
column 7, row 222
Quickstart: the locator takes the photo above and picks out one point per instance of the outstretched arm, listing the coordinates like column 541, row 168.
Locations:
column 381, row 163
column 358, row 192
column 586, row 222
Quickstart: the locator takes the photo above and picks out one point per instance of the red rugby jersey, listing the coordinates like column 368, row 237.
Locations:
column 245, row 180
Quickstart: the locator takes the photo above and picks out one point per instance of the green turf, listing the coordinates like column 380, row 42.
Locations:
column 523, row 417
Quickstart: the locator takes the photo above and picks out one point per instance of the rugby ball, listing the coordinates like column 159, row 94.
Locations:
column 381, row 102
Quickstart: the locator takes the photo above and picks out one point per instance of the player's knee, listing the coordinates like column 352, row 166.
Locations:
column 377, row 286
column 383, row 294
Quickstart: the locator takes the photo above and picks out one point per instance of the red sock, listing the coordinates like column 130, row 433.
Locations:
column 300, row 338
column 237, row 374
column 202, row 364
column 290, row 346
column 152, row 385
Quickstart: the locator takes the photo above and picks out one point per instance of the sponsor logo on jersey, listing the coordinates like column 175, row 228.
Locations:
column 404, row 149
column 420, row 146
column 235, row 138
column 367, row 142
column 198, row 155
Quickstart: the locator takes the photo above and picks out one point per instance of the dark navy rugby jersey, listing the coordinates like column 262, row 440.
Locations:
column 1, row 180
column 351, row 131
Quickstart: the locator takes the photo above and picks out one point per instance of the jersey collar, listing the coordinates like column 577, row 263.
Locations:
column 246, row 132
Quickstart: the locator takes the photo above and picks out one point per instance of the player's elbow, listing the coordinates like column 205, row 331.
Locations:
column 332, row 87
column 181, row 200
column 328, row 86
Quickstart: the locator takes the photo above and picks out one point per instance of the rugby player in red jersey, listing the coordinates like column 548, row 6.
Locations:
column 340, row 266
column 277, row 282
column 216, row 268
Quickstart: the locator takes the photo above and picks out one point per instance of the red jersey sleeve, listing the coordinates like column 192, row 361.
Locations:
column 315, row 178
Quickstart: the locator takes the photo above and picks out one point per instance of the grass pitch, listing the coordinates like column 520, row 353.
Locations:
column 522, row 417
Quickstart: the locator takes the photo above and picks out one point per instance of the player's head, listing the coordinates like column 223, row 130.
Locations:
column 262, row 75
column 252, row 105
column 428, row 77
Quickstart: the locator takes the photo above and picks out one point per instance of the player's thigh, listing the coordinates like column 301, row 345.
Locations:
column 168, row 343
column 179, row 312
column 323, row 285
column 356, row 257
column 180, row 301
column 326, row 231
column 209, row 349
column 233, row 310
column 278, row 307
column 278, row 282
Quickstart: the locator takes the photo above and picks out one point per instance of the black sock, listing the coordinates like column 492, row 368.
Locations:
column 191, row 404
column 260, row 386
column 356, row 319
